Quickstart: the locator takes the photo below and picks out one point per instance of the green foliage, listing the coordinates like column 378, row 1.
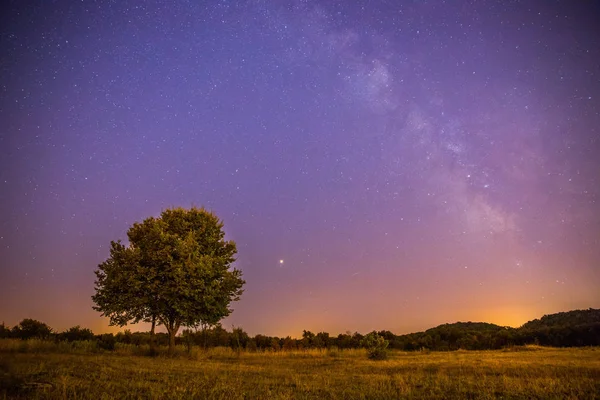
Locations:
column 188, row 339
column 565, row 319
column 31, row 328
column 251, row 346
column 565, row 329
column 107, row 341
column 241, row 338
column 376, row 346
column 76, row 333
column 576, row 328
column 288, row 344
column 459, row 335
column 275, row 344
column 322, row 340
column 308, row 339
column 175, row 271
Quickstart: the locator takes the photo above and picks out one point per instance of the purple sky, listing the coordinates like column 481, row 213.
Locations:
column 411, row 162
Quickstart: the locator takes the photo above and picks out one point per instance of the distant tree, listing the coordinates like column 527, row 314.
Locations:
column 344, row 340
column 288, row 344
column 262, row 342
column 275, row 344
column 317, row 342
column 308, row 339
column 240, row 338
column 220, row 336
column 356, row 340
column 251, row 346
column 322, row 339
column 4, row 331
column 31, row 328
column 174, row 272
column 76, row 333
column 124, row 337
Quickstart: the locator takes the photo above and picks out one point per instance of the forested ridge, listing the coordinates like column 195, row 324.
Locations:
column 564, row 329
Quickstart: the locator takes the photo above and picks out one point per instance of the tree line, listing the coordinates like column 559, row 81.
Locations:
column 570, row 329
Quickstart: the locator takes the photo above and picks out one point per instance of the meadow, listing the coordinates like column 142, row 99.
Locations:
column 80, row 370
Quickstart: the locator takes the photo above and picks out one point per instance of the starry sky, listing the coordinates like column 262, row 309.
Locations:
column 381, row 164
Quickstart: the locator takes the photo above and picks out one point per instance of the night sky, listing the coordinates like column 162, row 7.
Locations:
column 381, row 164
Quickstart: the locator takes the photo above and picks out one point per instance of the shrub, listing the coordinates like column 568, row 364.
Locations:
column 76, row 333
column 251, row 346
column 376, row 346
column 107, row 341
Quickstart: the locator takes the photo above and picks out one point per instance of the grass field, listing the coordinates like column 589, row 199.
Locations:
column 38, row 372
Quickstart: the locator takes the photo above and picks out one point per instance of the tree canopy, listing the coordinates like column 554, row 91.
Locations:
column 175, row 271
column 31, row 328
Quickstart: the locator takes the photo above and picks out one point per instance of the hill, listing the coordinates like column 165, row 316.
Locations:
column 564, row 329
column 565, row 319
column 465, row 335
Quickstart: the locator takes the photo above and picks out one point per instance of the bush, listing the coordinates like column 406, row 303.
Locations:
column 251, row 346
column 76, row 333
column 376, row 346
column 107, row 341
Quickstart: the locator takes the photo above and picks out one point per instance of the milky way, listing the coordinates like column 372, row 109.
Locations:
column 381, row 165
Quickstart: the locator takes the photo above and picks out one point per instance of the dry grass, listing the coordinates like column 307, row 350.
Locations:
column 537, row 373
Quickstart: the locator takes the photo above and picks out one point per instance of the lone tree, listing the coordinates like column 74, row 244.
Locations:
column 174, row 272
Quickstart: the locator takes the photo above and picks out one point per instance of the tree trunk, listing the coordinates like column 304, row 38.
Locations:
column 153, row 336
column 171, row 341
column 172, row 329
